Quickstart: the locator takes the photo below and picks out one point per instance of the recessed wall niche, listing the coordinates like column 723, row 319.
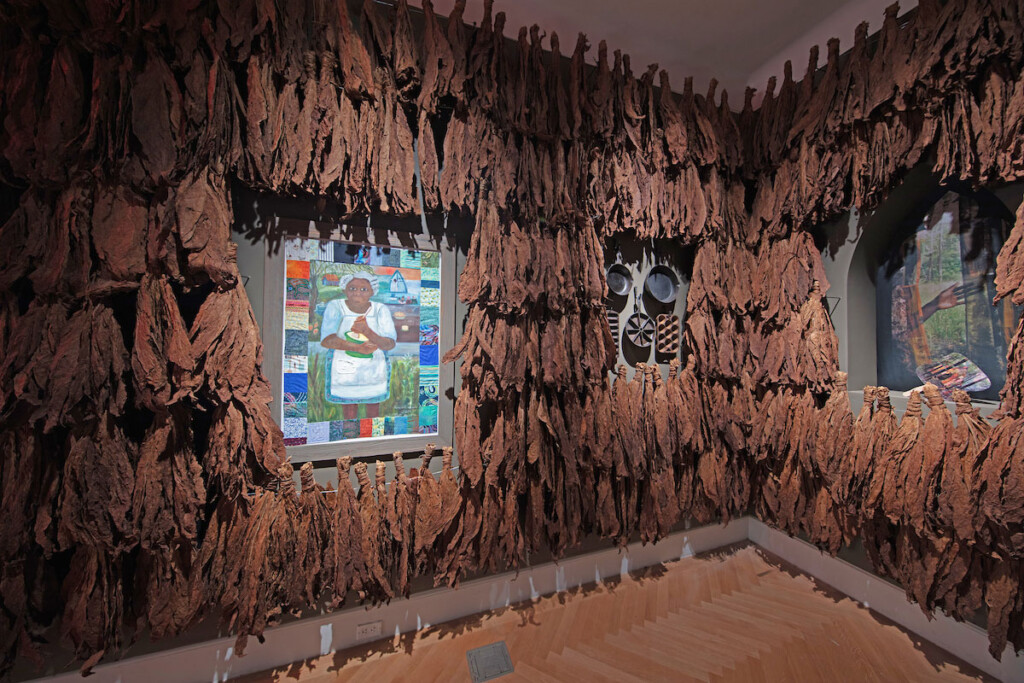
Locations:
column 858, row 245
column 648, row 284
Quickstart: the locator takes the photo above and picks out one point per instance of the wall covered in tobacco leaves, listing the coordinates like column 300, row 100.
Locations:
column 143, row 480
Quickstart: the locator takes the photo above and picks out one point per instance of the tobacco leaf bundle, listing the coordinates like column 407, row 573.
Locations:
column 353, row 57
column 263, row 577
column 626, row 425
column 87, row 368
column 376, row 541
column 93, row 596
column 212, row 105
column 333, row 132
column 685, row 402
column 819, row 347
column 883, row 426
column 314, row 536
column 834, row 434
column 405, row 57
column 638, row 459
column 899, row 467
column 659, row 509
column 60, row 260
column 723, row 479
column 439, row 67
column 264, row 120
column 463, row 528
column 120, row 226
column 95, row 505
column 959, row 499
column 401, row 516
column 663, row 484
column 794, row 494
column 923, row 486
column 156, row 117
column 1005, row 602
column 451, row 518
column 953, row 508
column 233, row 442
column 787, row 271
column 429, row 520
column 345, row 549
column 202, row 223
column 229, row 354
column 1002, row 490
column 24, row 251
column 29, row 484
column 701, row 133
column 851, row 474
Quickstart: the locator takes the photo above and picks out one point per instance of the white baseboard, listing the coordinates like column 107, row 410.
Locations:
column 215, row 661
column 966, row 641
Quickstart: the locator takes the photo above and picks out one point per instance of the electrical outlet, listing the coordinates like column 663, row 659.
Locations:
column 369, row 631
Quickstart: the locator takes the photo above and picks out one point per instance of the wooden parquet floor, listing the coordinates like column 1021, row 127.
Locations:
column 734, row 615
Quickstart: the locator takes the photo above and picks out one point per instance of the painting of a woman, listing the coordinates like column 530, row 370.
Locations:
column 359, row 332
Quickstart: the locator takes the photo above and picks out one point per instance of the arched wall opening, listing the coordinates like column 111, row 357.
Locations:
column 855, row 244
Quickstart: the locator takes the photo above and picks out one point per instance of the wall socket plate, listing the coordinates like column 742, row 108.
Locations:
column 369, row 631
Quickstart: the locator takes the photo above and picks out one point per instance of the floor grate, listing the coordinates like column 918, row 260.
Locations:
column 489, row 662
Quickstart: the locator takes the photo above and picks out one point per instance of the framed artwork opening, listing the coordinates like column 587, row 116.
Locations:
column 355, row 324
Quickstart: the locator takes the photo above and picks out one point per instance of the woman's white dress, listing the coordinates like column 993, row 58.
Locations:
column 358, row 380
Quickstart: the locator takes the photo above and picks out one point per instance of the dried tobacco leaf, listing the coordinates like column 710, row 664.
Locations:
column 157, row 116
column 203, row 224
column 120, row 223
column 163, row 360
column 901, row 468
column 834, row 434
column 852, row 471
column 93, row 597
column 936, row 442
column 87, row 368
column 95, row 506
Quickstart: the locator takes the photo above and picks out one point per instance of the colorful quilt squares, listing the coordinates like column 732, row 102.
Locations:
column 361, row 340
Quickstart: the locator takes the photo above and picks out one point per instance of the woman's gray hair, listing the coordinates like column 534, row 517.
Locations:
column 369, row 277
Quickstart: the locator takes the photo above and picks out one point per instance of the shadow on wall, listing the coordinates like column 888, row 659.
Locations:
column 256, row 219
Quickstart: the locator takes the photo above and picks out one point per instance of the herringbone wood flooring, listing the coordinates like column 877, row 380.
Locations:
column 735, row 615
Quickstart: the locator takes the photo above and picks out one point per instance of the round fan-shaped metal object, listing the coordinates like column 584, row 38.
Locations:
column 640, row 330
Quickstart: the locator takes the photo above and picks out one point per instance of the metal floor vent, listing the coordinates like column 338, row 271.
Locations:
column 489, row 662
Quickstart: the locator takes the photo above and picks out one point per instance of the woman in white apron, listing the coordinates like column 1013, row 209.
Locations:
column 366, row 376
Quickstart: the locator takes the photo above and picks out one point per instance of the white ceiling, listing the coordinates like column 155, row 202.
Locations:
column 739, row 42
